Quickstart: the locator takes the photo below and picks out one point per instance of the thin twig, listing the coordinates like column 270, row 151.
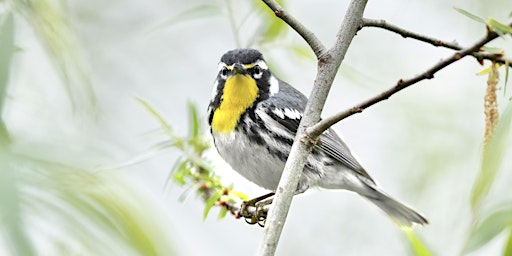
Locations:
column 498, row 58
column 315, row 44
column 323, row 125
column 328, row 64
column 410, row 34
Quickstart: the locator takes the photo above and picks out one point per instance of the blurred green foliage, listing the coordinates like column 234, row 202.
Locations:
column 49, row 20
column 6, row 52
column 489, row 224
column 56, row 209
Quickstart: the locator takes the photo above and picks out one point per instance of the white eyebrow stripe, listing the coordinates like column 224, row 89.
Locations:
column 262, row 64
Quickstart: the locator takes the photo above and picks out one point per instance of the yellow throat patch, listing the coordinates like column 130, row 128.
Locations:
column 240, row 92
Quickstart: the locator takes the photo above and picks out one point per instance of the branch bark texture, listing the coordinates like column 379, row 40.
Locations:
column 323, row 125
column 383, row 24
column 328, row 64
column 329, row 61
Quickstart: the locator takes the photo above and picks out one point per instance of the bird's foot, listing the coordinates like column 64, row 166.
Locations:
column 255, row 210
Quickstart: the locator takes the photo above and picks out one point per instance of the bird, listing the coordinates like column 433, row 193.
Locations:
column 253, row 117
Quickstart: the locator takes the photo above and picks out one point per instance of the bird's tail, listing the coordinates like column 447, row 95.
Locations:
column 402, row 215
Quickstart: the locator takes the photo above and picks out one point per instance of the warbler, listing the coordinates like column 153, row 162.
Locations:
column 253, row 118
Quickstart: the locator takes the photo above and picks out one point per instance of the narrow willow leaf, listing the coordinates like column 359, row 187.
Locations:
column 303, row 52
column 223, row 212
column 492, row 157
column 181, row 172
column 6, row 51
column 498, row 27
column 240, row 195
column 508, row 247
column 484, row 71
column 492, row 50
column 53, row 28
column 418, row 247
column 11, row 208
column 274, row 27
column 194, row 122
column 178, row 142
column 469, row 15
column 506, row 76
column 488, row 228
column 211, row 202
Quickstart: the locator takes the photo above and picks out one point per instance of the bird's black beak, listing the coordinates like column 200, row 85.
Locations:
column 238, row 69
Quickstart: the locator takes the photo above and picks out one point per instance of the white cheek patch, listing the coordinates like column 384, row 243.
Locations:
column 274, row 85
column 262, row 64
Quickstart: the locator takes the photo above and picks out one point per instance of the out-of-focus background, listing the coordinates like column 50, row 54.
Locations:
column 80, row 173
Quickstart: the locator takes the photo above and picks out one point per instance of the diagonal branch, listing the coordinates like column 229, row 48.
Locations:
column 433, row 41
column 328, row 64
column 315, row 44
column 323, row 125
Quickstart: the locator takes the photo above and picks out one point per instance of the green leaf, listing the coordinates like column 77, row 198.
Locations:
column 492, row 157
column 7, row 49
column 506, row 76
column 198, row 12
column 181, row 172
column 498, row 27
column 273, row 27
column 240, row 195
column 470, row 15
column 49, row 20
column 12, row 208
column 303, row 51
column 194, row 122
column 492, row 50
column 485, row 71
column 508, row 246
column 165, row 126
column 223, row 212
column 418, row 247
column 211, row 202
column 488, row 229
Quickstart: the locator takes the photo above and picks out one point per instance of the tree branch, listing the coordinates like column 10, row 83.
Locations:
column 433, row 41
column 328, row 64
column 315, row 44
column 323, row 125
column 409, row 34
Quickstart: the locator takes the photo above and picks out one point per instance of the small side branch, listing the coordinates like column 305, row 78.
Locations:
column 315, row 44
column 323, row 125
column 409, row 34
column 498, row 58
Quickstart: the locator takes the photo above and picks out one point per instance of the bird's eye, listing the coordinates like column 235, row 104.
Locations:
column 257, row 72
column 224, row 72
